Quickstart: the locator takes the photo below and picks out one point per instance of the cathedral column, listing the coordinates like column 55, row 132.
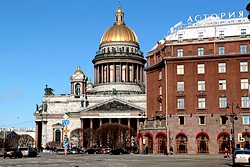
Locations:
column 108, row 73
column 91, row 133
column 81, row 133
column 97, row 74
column 138, row 125
column 141, row 72
column 127, row 72
column 100, row 122
column 137, row 73
column 114, row 72
column 102, row 73
column 120, row 72
column 36, row 138
column 133, row 73
column 94, row 74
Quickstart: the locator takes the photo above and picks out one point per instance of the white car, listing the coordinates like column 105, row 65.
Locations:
column 241, row 157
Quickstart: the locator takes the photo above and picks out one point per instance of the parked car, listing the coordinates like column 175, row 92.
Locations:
column 61, row 151
column 118, row 151
column 92, row 151
column 105, row 150
column 76, row 150
column 241, row 157
column 28, row 151
column 134, row 150
column 12, row 153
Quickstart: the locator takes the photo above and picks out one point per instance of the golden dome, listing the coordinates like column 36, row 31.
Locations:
column 78, row 71
column 119, row 31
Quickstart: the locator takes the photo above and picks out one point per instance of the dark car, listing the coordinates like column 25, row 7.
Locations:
column 92, row 151
column 76, row 150
column 28, row 151
column 12, row 153
column 134, row 150
column 118, row 151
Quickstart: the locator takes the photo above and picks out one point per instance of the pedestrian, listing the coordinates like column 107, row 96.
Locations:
column 226, row 154
column 171, row 150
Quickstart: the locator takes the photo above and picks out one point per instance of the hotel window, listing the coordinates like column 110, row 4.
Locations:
column 202, row 120
column 179, row 52
column 221, row 34
column 201, row 103
column 180, row 103
column 223, row 102
column 160, row 75
column 180, row 37
column 180, row 86
column 245, row 102
column 223, row 120
column 243, row 48
column 200, row 51
column 245, row 120
column 222, row 84
column 201, row 85
column 244, row 83
column 222, row 67
column 201, row 68
column 243, row 33
column 200, row 36
column 181, row 120
column 243, row 66
column 180, row 69
column 221, row 50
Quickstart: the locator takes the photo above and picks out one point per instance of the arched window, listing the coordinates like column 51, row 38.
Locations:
column 77, row 89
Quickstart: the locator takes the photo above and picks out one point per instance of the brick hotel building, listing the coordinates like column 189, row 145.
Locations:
column 197, row 88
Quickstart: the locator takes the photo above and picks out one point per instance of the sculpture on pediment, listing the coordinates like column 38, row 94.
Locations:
column 48, row 91
column 114, row 106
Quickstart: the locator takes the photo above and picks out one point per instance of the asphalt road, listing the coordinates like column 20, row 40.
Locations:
column 99, row 160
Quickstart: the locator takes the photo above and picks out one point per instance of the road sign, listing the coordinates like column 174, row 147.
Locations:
column 65, row 122
column 65, row 116
column 66, row 131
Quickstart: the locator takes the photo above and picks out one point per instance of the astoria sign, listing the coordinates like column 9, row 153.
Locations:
column 228, row 15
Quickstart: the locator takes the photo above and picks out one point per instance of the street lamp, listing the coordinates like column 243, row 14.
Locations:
column 233, row 116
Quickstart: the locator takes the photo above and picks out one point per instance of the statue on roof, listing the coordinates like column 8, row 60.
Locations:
column 48, row 91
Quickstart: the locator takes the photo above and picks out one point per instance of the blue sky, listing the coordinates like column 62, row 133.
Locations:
column 43, row 41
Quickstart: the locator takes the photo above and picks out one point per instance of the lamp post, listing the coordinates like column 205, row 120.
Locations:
column 233, row 116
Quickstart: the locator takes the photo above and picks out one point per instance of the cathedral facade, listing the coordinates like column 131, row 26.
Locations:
column 116, row 96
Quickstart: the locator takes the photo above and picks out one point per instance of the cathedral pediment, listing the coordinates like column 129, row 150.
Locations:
column 114, row 105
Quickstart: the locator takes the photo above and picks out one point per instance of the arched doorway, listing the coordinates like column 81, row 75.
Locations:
column 161, row 139
column 223, row 141
column 181, row 143
column 202, row 141
column 149, row 143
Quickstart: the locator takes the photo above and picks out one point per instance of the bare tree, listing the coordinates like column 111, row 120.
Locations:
column 25, row 141
column 88, row 136
column 114, row 135
column 75, row 137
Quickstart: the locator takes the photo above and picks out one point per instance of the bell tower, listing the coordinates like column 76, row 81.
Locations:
column 78, row 83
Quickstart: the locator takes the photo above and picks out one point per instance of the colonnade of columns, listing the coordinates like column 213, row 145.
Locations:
column 118, row 72
column 91, row 124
